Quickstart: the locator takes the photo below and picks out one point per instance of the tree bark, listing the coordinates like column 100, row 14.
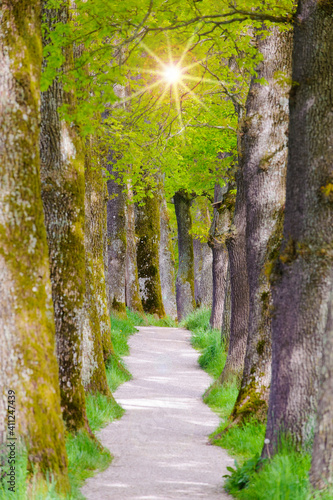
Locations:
column 217, row 235
column 96, row 338
column 133, row 299
column 185, row 276
column 116, row 232
column 302, row 273
column 321, row 472
column 226, row 320
column 236, row 245
column 167, row 262
column 203, row 273
column 28, row 363
column 147, row 226
column 264, row 153
column 62, row 175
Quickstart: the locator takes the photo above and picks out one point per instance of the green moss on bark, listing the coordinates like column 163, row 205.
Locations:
column 63, row 187
column 29, row 365
column 148, row 233
column 250, row 405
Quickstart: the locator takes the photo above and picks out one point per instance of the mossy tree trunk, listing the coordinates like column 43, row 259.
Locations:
column 96, row 336
column 303, row 271
column 133, row 299
column 167, row 262
column 264, row 153
column 185, row 277
column 236, row 245
column 147, row 228
column 62, row 174
column 27, row 333
column 116, row 233
column 217, row 236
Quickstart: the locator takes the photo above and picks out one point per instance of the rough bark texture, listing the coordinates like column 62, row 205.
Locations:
column 303, row 269
column 167, row 262
column 264, row 153
column 62, row 175
column 226, row 320
column 217, row 235
column 236, row 245
column 28, row 363
column 321, row 472
column 97, row 325
column 185, row 276
column 147, row 225
column 203, row 274
column 116, row 231
column 133, row 300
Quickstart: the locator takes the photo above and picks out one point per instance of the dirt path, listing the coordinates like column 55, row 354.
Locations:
column 160, row 445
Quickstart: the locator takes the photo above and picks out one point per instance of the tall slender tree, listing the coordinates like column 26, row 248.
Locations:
column 133, row 299
column 236, row 245
column 28, row 368
column 167, row 262
column 116, row 239
column 147, row 226
column 217, row 241
column 185, row 276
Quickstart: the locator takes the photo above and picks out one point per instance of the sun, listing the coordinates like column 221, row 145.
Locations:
column 172, row 77
column 172, row 74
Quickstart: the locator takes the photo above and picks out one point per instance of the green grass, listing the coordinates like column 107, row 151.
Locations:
column 207, row 340
column 86, row 456
column 243, row 442
column 149, row 320
column 286, row 475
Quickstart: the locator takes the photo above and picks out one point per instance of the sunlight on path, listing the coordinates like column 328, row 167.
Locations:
column 161, row 444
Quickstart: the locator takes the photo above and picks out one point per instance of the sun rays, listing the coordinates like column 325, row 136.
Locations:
column 175, row 76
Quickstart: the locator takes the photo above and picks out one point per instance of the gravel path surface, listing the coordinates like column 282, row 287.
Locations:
column 160, row 445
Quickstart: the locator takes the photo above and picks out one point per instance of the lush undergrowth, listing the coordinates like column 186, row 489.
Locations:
column 286, row 475
column 85, row 455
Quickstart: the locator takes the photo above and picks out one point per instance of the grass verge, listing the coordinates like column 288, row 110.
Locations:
column 286, row 475
column 85, row 456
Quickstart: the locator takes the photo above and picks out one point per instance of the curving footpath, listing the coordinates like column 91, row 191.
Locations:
column 160, row 445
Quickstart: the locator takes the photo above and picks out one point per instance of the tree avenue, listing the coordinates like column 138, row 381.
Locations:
column 160, row 159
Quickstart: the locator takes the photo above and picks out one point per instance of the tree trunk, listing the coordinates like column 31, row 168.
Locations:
column 264, row 153
column 97, row 325
column 27, row 337
column 185, row 276
column 116, row 231
column 236, row 245
column 62, row 174
column 217, row 235
column 226, row 320
column 167, row 263
column 321, row 472
column 203, row 274
column 133, row 300
column 302, row 273
column 147, row 226
column 203, row 258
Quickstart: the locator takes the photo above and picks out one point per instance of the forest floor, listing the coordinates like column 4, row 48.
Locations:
column 160, row 446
